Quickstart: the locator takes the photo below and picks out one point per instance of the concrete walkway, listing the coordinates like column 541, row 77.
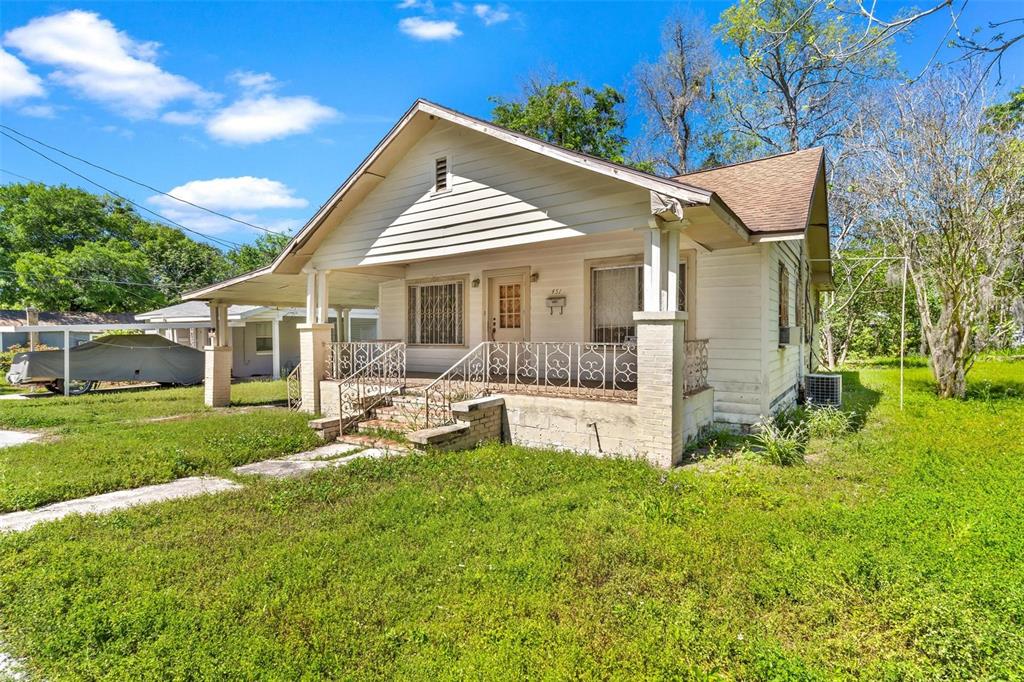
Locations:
column 9, row 438
column 120, row 499
column 332, row 455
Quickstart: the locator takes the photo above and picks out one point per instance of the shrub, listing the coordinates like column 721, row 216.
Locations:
column 782, row 441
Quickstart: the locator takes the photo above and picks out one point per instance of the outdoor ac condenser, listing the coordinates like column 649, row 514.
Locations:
column 824, row 389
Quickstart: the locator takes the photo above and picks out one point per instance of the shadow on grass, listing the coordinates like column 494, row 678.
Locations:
column 989, row 391
column 858, row 398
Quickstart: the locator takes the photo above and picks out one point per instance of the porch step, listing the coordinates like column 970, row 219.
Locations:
column 378, row 424
column 403, row 414
column 374, row 441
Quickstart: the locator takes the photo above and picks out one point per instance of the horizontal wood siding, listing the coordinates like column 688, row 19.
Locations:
column 500, row 196
column 729, row 313
column 783, row 362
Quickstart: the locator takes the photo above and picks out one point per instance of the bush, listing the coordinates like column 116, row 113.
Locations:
column 781, row 441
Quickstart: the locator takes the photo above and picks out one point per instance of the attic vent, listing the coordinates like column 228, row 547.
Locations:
column 441, row 174
column 825, row 389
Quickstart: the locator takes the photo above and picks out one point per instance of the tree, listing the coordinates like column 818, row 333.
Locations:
column 260, row 253
column 944, row 187
column 570, row 115
column 787, row 90
column 675, row 94
column 177, row 263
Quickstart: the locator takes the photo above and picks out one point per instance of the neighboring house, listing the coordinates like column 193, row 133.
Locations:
column 634, row 310
column 11, row 320
column 265, row 340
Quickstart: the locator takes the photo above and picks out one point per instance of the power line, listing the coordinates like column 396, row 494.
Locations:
column 138, row 182
column 17, row 175
column 225, row 242
column 94, row 279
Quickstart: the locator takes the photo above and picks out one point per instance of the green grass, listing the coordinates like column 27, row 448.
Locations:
column 113, row 440
column 895, row 553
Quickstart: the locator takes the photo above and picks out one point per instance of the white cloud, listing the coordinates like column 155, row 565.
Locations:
column 267, row 117
column 182, row 118
column 425, row 5
column 490, row 14
column 16, row 81
column 254, row 82
column 239, row 197
column 429, row 29
column 101, row 63
column 38, row 111
column 231, row 194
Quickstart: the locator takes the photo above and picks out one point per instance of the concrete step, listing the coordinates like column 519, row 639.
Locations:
column 375, row 442
column 400, row 412
column 371, row 425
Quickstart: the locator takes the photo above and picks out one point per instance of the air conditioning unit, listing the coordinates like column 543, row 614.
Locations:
column 789, row 336
column 824, row 389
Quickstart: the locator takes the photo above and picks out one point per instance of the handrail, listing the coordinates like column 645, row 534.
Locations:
column 293, row 388
column 564, row 368
column 345, row 358
column 372, row 384
column 437, row 400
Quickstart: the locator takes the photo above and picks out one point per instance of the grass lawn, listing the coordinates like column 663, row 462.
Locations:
column 111, row 440
column 895, row 553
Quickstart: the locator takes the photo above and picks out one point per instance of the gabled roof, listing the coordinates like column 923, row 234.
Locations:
column 415, row 122
column 198, row 310
column 16, row 318
column 773, row 194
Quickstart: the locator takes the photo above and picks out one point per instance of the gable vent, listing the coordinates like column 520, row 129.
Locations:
column 441, row 174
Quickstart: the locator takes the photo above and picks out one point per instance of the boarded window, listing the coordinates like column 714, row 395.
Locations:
column 441, row 179
column 436, row 313
column 615, row 294
column 264, row 338
column 783, row 296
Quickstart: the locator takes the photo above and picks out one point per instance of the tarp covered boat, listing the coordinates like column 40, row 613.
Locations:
column 129, row 357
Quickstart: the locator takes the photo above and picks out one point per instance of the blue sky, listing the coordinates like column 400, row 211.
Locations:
column 261, row 109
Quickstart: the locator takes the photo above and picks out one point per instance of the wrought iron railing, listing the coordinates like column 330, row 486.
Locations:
column 606, row 371
column 293, row 386
column 345, row 358
column 696, row 366
column 375, row 382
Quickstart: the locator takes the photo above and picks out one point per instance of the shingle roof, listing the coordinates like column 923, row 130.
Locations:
column 769, row 195
column 190, row 310
column 16, row 318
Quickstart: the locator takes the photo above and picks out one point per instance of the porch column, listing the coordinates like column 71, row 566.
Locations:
column 314, row 335
column 275, row 340
column 653, row 270
column 217, row 381
column 660, row 384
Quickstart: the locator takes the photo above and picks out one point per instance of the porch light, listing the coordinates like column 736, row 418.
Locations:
column 534, row 276
column 476, row 283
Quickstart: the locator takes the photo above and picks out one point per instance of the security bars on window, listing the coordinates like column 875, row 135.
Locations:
column 435, row 314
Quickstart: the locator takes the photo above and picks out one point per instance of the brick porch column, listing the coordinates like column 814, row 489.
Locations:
column 661, row 356
column 217, row 379
column 313, row 340
column 217, row 384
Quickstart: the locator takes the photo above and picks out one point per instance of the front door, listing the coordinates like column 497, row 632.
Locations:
column 506, row 308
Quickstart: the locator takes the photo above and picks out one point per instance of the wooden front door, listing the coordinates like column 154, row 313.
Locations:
column 507, row 308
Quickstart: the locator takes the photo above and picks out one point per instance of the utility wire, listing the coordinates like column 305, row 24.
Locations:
column 96, row 279
column 138, row 182
column 4, row 170
column 224, row 242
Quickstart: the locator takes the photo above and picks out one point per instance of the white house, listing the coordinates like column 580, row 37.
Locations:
column 632, row 310
column 264, row 340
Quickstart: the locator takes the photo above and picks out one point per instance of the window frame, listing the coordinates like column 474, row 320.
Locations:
column 463, row 325
column 257, row 336
column 783, row 295
column 590, row 266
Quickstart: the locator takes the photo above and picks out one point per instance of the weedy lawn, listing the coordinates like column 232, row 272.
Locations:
column 895, row 553
column 124, row 439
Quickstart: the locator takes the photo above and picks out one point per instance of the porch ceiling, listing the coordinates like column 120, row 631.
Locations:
column 353, row 288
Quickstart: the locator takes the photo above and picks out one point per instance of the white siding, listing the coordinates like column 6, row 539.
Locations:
column 729, row 314
column 500, row 196
column 783, row 363
column 559, row 266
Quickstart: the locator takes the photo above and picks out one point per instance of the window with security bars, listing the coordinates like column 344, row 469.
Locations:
column 615, row 294
column 436, row 313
